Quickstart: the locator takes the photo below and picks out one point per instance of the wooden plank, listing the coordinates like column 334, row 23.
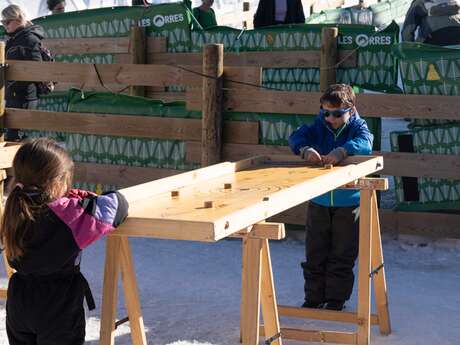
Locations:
column 232, row 152
column 132, row 302
column 427, row 224
column 121, row 176
column 7, row 153
column 379, row 279
column 364, row 266
column 323, row 314
column 110, row 289
column 421, row 165
column 126, row 125
column 317, row 336
column 369, row 105
column 124, row 74
column 252, row 292
column 99, row 45
column 271, row 59
column 268, row 297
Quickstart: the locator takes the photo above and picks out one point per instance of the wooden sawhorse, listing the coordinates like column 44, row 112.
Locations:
column 257, row 285
column 370, row 266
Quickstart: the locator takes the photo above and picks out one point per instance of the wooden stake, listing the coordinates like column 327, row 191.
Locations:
column 328, row 58
column 2, row 89
column 137, row 53
column 212, row 99
column 380, row 285
column 364, row 268
column 244, row 265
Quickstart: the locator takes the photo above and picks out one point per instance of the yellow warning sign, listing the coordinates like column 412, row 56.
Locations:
column 432, row 73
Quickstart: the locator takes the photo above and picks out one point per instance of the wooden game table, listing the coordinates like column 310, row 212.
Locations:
column 235, row 199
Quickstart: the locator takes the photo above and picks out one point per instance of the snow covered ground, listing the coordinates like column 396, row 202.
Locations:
column 190, row 292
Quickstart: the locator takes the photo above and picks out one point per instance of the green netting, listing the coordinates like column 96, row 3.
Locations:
column 434, row 193
column 429, row 70
column 376, row 66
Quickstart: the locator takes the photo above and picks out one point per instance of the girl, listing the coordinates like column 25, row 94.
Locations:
column 44, row 228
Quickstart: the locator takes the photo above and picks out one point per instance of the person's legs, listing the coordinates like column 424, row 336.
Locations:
column 342, row 256
column 317, row 246
column 17, row 325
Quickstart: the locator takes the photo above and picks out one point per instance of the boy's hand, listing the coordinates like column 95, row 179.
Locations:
column 310, row 155
column 335, row 156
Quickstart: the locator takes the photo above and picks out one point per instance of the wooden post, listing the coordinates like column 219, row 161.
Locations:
column 212, row 99
column 2, row 90
column 364, row 267
column 244, row 265
column 137, row 53
column 328, row 58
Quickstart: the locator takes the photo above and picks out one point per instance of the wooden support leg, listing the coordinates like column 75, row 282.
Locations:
column 268, row 297
column 133, row 305
column 244, row 265
column 252, row 292
column 110, row 290
column 364, row 282
column 380, row 285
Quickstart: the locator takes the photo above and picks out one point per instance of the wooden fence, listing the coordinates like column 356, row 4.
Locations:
column 239, row 139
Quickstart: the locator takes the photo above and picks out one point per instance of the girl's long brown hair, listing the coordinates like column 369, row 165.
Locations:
column 42, row 170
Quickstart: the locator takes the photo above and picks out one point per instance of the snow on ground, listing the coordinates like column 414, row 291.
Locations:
column 190, row 292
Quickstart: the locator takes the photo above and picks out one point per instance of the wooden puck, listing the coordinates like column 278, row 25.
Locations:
column 174, row 194
column 328, row 166
column 208, row 204
column 227, row 186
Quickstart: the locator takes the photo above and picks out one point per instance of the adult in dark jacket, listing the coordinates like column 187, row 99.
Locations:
column 273, row 12
column 438, row 22
column 23, row 44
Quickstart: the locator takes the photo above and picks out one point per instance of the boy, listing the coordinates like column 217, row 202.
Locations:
column 332, row 222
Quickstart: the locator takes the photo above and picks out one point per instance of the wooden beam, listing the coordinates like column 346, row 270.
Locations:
column 211, row 95
column 374, row 183
column 99, row 45
column 86, row 75
column 271, row 59
column 328, row 57
column 316, row 336
column 323, row 314
column 271, row 231
column 369, row 105
column 138, row 54
column 126, row 125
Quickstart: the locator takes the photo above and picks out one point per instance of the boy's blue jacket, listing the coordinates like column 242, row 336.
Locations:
column 354, row 137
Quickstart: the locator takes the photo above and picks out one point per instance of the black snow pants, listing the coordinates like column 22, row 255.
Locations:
column 331, row 244
column 47, row 310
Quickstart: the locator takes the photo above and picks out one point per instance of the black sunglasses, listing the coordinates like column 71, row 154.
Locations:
column 335, row 113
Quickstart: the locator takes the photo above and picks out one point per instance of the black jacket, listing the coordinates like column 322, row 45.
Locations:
column 23, row 44
column 265, row 14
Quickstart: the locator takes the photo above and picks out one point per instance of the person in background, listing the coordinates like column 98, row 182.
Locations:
column 44, row 228
column 274, row 12
column 332, row 229
column 23, row 43
column 56, row 6
column 438, row 22
column 205, row 15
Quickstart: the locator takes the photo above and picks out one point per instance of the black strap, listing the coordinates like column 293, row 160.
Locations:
column 88, row 294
